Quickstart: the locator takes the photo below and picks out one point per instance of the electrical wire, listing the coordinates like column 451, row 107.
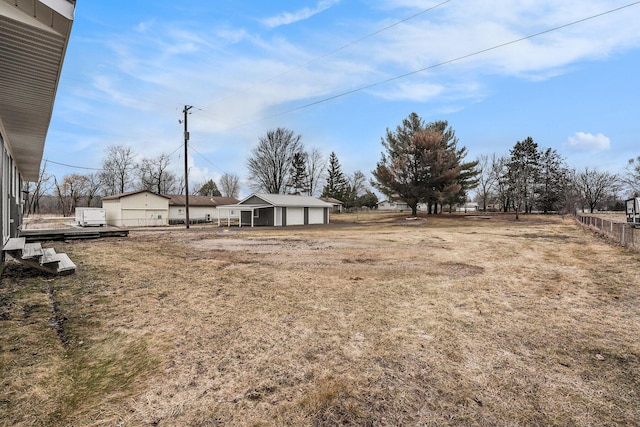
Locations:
column 324, row 55
column 440, row 64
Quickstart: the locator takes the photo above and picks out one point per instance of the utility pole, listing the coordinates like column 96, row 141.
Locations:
column 186, row 166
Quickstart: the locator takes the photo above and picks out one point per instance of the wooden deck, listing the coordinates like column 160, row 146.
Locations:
column 72, row 233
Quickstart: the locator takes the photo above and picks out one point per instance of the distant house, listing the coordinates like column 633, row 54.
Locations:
column 279, row 210
column 468, row 207
column 137, row 209
column 337, row 204
column 201, row 208
column 393, row 205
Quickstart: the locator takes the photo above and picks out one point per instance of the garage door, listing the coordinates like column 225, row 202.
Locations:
column 295, row 216
column 316, row 215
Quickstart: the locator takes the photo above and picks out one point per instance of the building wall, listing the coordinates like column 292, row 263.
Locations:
column 113, row 212
column 200, row 213
column 144, row 201
column 144, row 217
column 137, row 210
column 11, row 202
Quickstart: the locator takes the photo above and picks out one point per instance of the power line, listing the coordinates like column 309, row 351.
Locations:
column 440, row 64
column 324, row 55
column 73, row 166
column 97, row 169
column 206, row 159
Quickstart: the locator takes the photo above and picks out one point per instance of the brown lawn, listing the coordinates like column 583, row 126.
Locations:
column 383, row 322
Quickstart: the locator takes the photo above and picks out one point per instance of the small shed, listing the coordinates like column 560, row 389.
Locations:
column 279, row 210
column 137, row 209
column 201, row 208
column 337, row 204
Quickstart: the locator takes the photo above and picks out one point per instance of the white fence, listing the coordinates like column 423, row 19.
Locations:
column 621, row 232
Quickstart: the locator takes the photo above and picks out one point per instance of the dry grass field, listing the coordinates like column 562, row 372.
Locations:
column 372, row 321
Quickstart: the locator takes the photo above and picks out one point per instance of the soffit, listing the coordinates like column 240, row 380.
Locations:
column 33, row 40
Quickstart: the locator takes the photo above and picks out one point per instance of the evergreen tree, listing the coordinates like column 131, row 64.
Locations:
column 423, row 164
column 336, row 184
column 209, row 188
column 553, row 177
column 298, row 177
column 522, row 174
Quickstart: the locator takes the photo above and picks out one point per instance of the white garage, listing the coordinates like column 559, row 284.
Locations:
column 279, row 210
column 136, row 209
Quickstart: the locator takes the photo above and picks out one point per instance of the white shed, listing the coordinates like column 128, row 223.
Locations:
column 280, row 210
column 137, row 209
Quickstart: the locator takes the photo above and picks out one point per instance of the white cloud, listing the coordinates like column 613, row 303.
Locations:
column 287, row 18
column 583, row 141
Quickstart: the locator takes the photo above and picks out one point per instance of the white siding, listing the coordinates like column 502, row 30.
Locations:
column 137, row 210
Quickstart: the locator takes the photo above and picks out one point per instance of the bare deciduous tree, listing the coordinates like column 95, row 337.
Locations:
column 486, row 179
column 632, row 177
column 155, row 176
column 316, row 165
column 70, row 192
column 118, row 169
column 40, row 188
column 270, row 162
column 594, row 186
column 94, row 186
column 230, row 185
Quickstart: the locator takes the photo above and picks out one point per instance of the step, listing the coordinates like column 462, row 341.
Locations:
column 32, row 250
column 65, row 265
column 49, row 256
column 14, row 244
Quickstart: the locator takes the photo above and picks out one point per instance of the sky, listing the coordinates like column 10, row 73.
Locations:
column 339, row 73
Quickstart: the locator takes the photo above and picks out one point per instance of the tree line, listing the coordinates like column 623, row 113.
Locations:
column 422, row 164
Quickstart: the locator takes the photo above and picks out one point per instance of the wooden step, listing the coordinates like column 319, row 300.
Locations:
column 14, row 244
column 49, row 257
column 32, row 250
column 65, row 265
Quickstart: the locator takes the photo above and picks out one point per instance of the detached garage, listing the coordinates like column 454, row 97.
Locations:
column 137, row 209
column 280, row 210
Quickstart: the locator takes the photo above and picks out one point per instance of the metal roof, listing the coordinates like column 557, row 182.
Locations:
column 133, row 193
column 289, row 200
column 33, row 40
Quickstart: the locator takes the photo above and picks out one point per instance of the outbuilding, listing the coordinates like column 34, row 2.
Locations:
column 201, row 208
column 137, row 209
column 337, row 205
column 279, row 210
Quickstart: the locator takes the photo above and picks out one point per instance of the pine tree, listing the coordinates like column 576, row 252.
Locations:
column 423, row 164
column 336, row 184
column 298, row 177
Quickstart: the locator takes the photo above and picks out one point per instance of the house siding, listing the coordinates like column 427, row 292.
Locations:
column 10, row 205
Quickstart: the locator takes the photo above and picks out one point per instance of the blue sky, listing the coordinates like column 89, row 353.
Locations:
column 252, row 66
